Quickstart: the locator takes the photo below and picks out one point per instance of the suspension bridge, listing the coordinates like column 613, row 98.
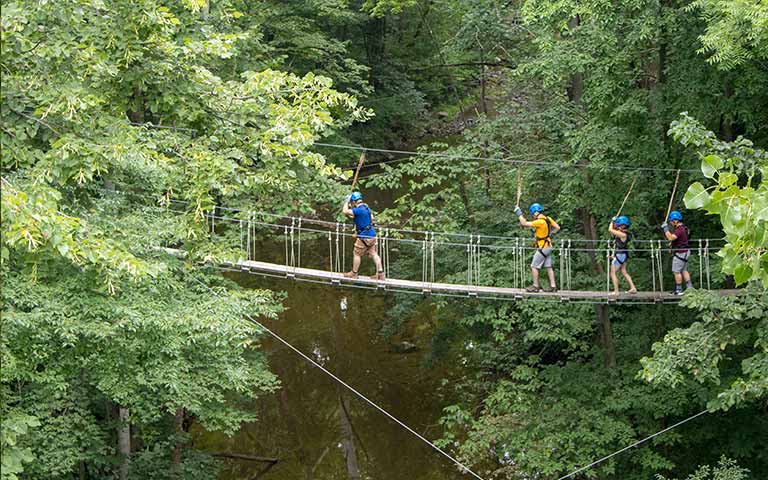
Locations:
column 466, row 265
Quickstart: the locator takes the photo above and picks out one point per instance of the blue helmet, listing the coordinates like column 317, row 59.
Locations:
column 675, row 215
column 535, row 207
column 356, row 196
column 622, row 220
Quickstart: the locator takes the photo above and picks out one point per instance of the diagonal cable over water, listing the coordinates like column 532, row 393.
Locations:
column 597, row 462
column 464, row 468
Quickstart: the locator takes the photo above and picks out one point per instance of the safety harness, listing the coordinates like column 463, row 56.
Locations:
column 683, row 246
column 622, row 247
column 547, row 239
column 365, row 228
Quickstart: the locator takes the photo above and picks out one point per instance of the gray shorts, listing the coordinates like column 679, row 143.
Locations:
column 680, row 261
column 542, row 258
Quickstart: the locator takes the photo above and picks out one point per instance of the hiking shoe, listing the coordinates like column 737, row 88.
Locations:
column 378, row 276
column 678, row 292
column 632, row 291
column 350, row 275
column 550, row 289
column 533, row 289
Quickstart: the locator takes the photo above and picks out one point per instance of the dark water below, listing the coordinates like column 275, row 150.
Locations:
column 301, row 424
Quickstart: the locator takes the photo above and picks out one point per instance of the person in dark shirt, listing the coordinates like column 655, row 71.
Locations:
column 678, row 235
column 365, row 233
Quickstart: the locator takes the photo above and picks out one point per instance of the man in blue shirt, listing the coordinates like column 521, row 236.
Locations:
column 365, row 234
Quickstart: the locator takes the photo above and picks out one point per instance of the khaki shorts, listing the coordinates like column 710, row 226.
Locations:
column 680, row 261
column 365, row 246
column 542, row 258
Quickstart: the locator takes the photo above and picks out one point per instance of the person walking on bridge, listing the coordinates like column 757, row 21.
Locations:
column 680, row 252
column 619, row 228
column 365, row 234
column 544, row 227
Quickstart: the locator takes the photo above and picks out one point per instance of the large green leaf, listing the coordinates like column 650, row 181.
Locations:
column 696, row 196
column 710, row 165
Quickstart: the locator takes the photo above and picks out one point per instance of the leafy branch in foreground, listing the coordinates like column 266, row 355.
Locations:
column 734, row 168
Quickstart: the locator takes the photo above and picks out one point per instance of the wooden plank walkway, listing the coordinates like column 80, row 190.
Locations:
column 470, row 291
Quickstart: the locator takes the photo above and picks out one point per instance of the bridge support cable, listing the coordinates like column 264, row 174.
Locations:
column 462, row 467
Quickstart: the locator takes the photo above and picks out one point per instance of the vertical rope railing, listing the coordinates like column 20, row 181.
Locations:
column 608, row 266
column 706, row 253
column 252, row 253
column 701, row 265
column 522, row 264
column 242, row 237
column 432, row 259
column 387, row 270
column 344, row 247
column 659, row 266
column 330, row 251
column 298, row 255
column 477, row 260
column 568, row 264
column 248, row 241
column 469, row 261
column 561, row 250
column 338, row 255
column 285, row 236
column 424, row 255
column 293, row 249
column 653, row 267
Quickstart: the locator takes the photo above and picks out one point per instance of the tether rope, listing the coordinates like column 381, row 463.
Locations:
column 332, row 224
column 464, row 468
column 503, row 160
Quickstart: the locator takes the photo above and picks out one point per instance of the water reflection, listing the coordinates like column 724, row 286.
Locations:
column 319, row 431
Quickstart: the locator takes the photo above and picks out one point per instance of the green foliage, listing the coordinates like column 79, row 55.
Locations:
column 733, row 167
column 726, row 469
column 379, row 8
column 736, row 31
column 95, row 315
column 14, row 425
column 728, row 329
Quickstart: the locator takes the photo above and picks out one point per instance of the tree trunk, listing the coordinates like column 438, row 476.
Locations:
column 465, row 200
column 285, row 412
column 206, row 10
column 589, row 224
column 178, row 424
column 124, row 441
column 606, row 336
column 576, row 84
column 726, row 123
column 348, row 441
column 483, row 103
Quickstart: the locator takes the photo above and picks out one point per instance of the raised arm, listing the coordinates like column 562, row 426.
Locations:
column 521, row 218
column 346, row 210
column 667, row 234
column 616, row 232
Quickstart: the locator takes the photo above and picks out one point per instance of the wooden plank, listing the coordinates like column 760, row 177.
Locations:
column 454, row 289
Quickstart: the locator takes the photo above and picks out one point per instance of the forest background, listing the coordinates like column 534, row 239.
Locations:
column 111, row 347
